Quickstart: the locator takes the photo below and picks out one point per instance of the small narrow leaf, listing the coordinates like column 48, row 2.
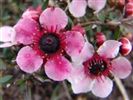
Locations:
column 117, row 33
column 70, row 23
column 2, row 65
column 45, row 4
column 101, row 17
column 5, row 79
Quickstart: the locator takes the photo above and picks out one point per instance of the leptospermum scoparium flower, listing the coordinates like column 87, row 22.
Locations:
column 45, row 42
column 94, row 73
column 78, row 7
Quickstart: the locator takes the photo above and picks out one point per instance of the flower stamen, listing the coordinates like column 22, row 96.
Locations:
column 97, row 66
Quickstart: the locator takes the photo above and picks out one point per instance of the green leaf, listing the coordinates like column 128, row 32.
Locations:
column 8, row 53
column 45, row 4
column 115, row 15
column 117, row 33
column 5, row 79
column 70, row 24
column 89, row 31
column 101, row 17
column 2, row 65
column 20, row 81
column 36, row 2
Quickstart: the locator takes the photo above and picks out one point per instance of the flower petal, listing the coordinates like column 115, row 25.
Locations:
column 121, row 67
column 78, row 7
column 97, row 5
column 25, row 29
column 58, row 68
column 109, row 49
column 28, row 60
column 33, row 13
column 74, row 43
column 79, row 81
column 53, row 19
column 102, row 88
column 86, row 53
column 6, row 44
column 7, row 34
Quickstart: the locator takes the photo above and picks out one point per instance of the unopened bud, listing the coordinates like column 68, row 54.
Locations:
column 100, row 38
column 129, row 9
column 79, row 29
column 126, row 46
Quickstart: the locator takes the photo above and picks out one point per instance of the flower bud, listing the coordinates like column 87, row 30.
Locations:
column 129, row 9
column 79, row 29
column 126, row 46
column 100, row 38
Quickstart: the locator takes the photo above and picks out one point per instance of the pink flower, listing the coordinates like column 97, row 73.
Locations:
column 78, row 7
column 47, row 45
column 95, row 72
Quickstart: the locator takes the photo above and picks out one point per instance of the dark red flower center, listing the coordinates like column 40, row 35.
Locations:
column 49, row 43
column 97, row 66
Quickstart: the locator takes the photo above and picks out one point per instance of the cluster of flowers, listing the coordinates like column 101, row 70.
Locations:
column 66, row 54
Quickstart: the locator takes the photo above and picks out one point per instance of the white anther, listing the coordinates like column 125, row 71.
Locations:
column 102, row 66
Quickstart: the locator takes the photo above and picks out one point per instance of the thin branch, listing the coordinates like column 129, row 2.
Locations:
column 28, row 95
column 127, row 19
column 122, row 89
column 110, row 23
column 40, row 79
column 67, row 7
column 66, row 91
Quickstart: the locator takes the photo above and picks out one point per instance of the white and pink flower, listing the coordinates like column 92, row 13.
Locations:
column 46, row 43
column 78, row 7
column 95, row 72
